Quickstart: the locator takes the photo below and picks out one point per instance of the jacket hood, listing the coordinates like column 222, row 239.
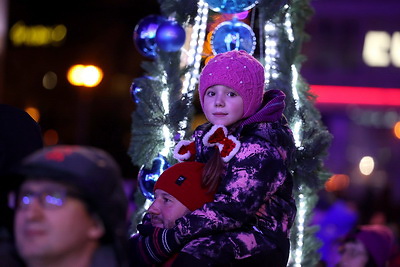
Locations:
column 272, row 108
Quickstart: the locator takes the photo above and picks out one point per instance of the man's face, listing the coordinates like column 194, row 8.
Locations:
column 166, row 209
column 48, row 227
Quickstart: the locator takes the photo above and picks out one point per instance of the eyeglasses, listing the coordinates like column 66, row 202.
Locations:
column 47, row 198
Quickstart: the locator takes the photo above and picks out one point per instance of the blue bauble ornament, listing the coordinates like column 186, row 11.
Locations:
column 231, row 6
column 144, row 35
column 148, row 177
column 233, row 35
column 170, row 36
column 135, row 91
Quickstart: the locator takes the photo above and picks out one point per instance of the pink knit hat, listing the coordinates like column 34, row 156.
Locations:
column 184, row 182
column 239, row 71
column 378, row 240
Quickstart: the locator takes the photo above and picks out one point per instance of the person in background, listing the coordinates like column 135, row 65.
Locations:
column 248, row 148
column 20, row 135
column 70, row 209
column 367, row 246
column 178, row 191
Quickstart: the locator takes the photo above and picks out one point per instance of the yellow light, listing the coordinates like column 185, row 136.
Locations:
column 37, row 35
column 88, row 76
column 92, row 76
column 367, row 165
column 59, row 33
column 74, row 75
column 396, row 129
column 33, row 112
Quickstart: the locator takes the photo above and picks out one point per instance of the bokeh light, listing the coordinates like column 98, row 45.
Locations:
column 59, row 33
column 50, row 137
column 92, row 76
column 49, row 80
column 74, row 74
column 37, row 35
column 367, row 165
column 396, row 129
column 81, row 75
column 33, row 112
column 337, row 182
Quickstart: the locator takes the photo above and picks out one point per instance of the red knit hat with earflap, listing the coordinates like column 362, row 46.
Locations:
column 239, row 71
column 183, row 181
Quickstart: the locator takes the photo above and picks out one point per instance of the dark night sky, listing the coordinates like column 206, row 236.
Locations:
column 100, row 33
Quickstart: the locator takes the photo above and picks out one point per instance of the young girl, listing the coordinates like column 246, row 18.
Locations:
column 247, row 146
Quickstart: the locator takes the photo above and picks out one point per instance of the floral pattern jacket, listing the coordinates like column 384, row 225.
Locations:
column 254, row 207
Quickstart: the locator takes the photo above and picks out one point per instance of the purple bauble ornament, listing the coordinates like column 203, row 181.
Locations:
column 170, row 36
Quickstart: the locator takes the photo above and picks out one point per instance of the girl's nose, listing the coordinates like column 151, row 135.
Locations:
column 219, row 100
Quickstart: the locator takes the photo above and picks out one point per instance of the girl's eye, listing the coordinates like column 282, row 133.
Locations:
column 210, row 93
column 232, row 94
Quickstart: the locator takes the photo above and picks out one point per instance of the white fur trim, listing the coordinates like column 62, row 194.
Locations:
column 182, row 157
column 234, row 151
column 220, row 146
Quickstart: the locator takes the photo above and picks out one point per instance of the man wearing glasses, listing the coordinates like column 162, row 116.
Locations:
column 70, row 209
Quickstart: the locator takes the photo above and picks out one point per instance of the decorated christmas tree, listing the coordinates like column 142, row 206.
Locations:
column 178, row 42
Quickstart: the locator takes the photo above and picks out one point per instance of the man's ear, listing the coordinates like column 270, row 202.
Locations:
column 97, row 230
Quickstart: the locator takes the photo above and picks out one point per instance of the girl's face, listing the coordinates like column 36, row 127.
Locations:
column 222, row 105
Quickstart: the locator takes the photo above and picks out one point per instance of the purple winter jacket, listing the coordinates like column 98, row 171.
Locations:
column 254, row 207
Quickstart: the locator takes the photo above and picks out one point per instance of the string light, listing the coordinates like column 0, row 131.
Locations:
column 196, row 48
column 165, row 100
column 300, row 219
column 271, row 51
column 288, row 24
column 168, row 144
column 302, row 203
column 297, row 122
column 165, row 130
